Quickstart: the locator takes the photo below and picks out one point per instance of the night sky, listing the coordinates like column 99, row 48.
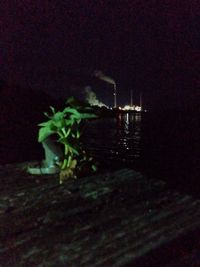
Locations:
column 151, row 47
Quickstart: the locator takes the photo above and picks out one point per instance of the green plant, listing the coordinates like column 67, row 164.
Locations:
column 67, row 126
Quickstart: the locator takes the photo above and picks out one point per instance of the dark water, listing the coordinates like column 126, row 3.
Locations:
column 161, row 145
column 115, row 140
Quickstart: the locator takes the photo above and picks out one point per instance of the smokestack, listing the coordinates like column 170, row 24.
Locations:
column 100, row 75
column 131, row 95
column 141, row 101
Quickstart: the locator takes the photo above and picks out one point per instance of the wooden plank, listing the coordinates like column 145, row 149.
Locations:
column 112, row 219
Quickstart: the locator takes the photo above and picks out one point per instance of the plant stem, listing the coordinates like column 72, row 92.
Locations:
column 69, row 161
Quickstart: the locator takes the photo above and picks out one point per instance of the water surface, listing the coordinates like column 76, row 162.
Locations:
column 165, row 145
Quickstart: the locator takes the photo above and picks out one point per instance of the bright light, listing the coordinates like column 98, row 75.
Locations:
column 136, row 108
column 127, row 107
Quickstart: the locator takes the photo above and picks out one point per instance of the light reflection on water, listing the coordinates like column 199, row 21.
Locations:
column 117, row 139
column 164, row 145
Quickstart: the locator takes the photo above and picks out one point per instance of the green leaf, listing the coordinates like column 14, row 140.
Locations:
column 58, row 120
column 52, row 109
column 58, row 116
column 58, row 124
column 94, row 167
column 44, row 132
column 71, row 111
column 47, row 115
column 78, row 134
column 47, row 123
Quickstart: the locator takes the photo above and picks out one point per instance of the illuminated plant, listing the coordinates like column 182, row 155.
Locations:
column 66, row 125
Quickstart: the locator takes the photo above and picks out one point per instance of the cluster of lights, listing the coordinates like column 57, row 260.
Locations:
column 127, row 107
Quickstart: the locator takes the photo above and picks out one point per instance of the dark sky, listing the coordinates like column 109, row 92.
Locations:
column 151, row 47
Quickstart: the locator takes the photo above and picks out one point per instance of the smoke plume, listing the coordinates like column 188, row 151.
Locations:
column 100, row 75
column 91, row 98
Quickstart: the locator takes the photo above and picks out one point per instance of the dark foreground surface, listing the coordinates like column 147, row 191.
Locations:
column 113, row 219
